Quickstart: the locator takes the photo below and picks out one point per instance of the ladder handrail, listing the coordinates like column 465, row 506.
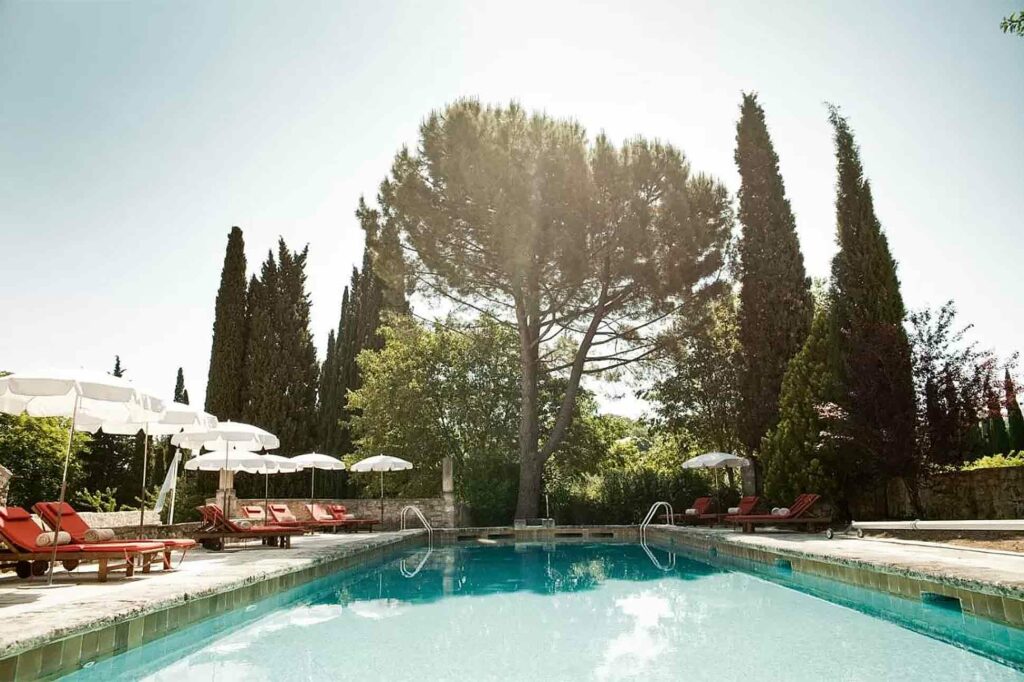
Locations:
column 426, row 524
column 650, row 515
column 412, row 574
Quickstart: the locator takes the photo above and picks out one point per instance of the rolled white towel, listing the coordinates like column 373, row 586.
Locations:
column 775, row 511
column 691, row 512
column 99, row 535
column 780, row 511
column 244, row 524
column 46, row 539
column 734, row 510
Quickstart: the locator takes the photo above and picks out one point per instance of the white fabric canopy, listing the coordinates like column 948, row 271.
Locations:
column 75, row 392
column 315, row 460
column 175, row 418
column 380, row 463
column 241, row 436
column 715, row 460
column 240, row 460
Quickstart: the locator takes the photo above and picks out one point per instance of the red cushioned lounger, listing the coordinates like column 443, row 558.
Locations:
column 349, row 521
column 216, row 527
column 76, row 527
column 797, row 516
column 19, row 532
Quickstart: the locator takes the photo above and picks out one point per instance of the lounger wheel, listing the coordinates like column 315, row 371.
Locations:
column 829, row 534
column 213, row 544
column 70, row 564
column 23, row 569
column 39, row 567
column 860, row 532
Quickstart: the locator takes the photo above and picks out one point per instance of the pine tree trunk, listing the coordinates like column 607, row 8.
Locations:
column 530, row 465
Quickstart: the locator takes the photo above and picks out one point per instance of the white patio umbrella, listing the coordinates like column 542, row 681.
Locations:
column 314, row 461
column 228, row 437
column 274, row 464
column 716, row 460
column 381, row 463
column 73, row 394
column 176, row 418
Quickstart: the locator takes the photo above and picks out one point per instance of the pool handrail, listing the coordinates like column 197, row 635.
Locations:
column 426, row 524
column 650, row 515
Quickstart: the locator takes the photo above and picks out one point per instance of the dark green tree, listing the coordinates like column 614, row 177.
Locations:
column 228, row 353
column 112, row 461
column 180, row 392
column 998, row 438
column 875, row 371
column 776, row 306
column 1013, row 23
column 281, row 370
column 1013, row 413
column 579, row 247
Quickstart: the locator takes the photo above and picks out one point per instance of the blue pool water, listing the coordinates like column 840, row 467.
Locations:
column 575, row 612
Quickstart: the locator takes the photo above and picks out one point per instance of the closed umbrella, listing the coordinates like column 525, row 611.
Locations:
column 314, row 461
column 381, row 463
column 73, row 394
column 176, row 418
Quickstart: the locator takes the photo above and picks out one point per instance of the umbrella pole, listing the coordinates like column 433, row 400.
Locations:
column 145, row 463
column 224, row 494
column 174, row 488
column 63, row 488
column 382, row 499
column 312, row 483
column 266, row 493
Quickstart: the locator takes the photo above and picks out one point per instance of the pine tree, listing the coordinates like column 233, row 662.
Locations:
column 802, row 452
column 180, row 394
column 1013, row 413
column 776, row 307
column 281, row 370
column 228, row 353
column 877, row 391
column 110, row 460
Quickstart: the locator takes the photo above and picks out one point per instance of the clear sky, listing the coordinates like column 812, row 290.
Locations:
column 134, row 135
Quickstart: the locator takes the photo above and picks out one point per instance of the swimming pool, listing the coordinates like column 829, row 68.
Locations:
column 572, row 612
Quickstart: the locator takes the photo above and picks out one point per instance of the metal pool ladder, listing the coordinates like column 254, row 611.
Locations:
column 423, row 519
column 643, row 536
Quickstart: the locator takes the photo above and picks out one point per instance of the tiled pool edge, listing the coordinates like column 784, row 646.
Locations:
column 991, row 601
column 65, row 652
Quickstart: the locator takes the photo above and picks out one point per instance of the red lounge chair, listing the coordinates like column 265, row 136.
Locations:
column 253, row 512
column 19, row 532
column 340, row 512
column 796, row 516
column 216, row 527
column 323, row 518
column 76, row 527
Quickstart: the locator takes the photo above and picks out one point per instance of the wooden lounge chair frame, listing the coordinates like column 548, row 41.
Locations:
column 75, row 526
column 216, row 528
column 796, row 517
column 36, row 562
column 340, row 512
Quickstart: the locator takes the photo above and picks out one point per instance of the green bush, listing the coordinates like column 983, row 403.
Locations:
column 1013, row 459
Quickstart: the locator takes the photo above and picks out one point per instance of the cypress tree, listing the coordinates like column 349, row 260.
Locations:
column 281, row 371
column 228, row 353
column 802, row 452
column 998, row 438
column 877, row 391
column 180, row 394
column 776, row 306
column 1013, row 413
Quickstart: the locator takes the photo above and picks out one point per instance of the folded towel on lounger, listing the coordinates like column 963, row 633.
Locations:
column 99, row 535
column 780, row 511
column 734, row 510
column 46, row 539
column 691, row 512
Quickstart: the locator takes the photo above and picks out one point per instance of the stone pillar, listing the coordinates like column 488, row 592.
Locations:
column 5, row 484
column 226, row 497
column 748, row 478
column 448, row 491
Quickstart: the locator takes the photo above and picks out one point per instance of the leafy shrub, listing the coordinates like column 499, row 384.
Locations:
column 99, row 501
column 1013, row 459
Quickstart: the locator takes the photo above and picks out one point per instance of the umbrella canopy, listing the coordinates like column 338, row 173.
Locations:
column 236, row 459
column 314, row 461
column 380, row 463
column 240, row 436
column 74, row 393
column 715, row 460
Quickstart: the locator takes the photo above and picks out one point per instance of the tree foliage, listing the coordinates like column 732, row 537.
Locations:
column 579, row 247
column 33, row 449
column 227, row 355
column 180, row 392
column 1014, row 417
column 775, row 306
column 1013, row 23
column 875, row 371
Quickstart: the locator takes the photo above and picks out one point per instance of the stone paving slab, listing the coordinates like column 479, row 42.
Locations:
column 993, row 572
column 34, row 614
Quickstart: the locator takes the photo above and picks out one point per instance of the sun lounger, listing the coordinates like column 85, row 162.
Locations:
column 19, row 532
column 797, row 516
column 253, row 512
column 77, row 528
column 340, row 512
column 702, row 505
column 216, row 527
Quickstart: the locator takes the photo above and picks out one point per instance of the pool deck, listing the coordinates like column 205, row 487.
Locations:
column 35, row 615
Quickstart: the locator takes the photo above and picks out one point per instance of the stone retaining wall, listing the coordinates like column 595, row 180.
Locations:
column 439, row 513
column 979, row 494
